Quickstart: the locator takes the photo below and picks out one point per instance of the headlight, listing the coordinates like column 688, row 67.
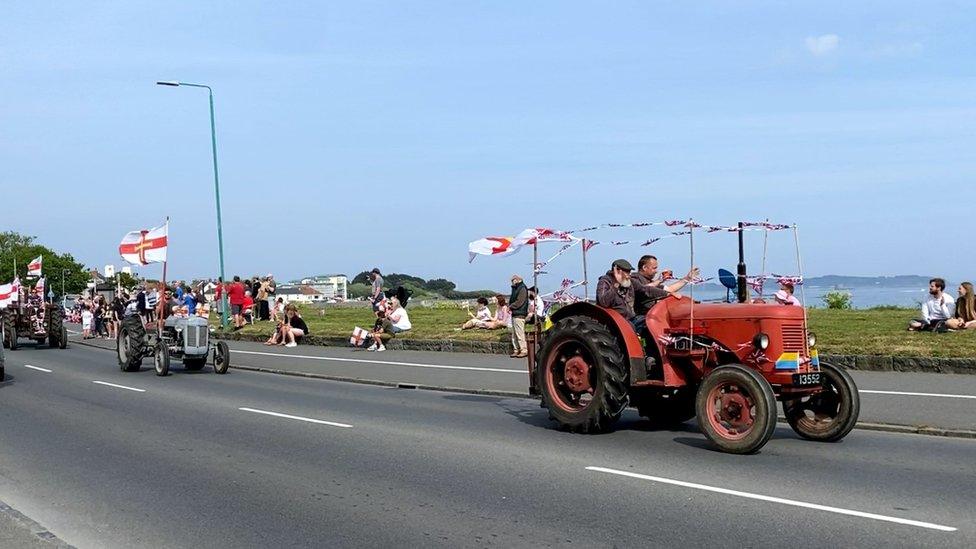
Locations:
column 811, row 339
column 761, row 341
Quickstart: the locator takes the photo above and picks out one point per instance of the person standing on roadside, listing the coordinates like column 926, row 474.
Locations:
column 377, row 294
column 269, row 290
column 235, row 293
column 518, row 304
column 218, row 295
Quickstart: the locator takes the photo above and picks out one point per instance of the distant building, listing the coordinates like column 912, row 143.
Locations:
column 330, row 286
column 300, row 294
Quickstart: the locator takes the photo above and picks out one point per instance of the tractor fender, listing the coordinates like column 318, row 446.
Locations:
column 619, row 325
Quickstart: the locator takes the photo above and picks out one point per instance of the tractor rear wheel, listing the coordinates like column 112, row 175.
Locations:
column 9, row 329
column 131, row 344
column 673, row 410
column 582, row 374
column 736, row 409
column 56, row 328
column 829, row 415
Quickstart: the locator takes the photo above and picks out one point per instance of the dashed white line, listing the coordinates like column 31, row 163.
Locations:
column 905, row 393
column 389, row 363
column 299, row 418
column 107, row 384
column 38, row 368
column 772, row 499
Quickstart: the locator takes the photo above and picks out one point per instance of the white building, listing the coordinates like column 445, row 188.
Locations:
column 329, row 286
column 300, row 294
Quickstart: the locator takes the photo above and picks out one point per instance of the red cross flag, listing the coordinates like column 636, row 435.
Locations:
column 7, row 294
column 34, row 267
column 145, row 246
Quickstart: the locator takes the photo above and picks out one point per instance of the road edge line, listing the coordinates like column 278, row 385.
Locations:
column 36, row 529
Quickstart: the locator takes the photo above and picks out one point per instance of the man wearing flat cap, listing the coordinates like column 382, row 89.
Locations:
column 616, row 291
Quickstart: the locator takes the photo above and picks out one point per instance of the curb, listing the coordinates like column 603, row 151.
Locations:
column 867, row 426
column 36, row 529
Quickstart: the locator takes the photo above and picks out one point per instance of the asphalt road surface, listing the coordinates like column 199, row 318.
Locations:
column 103, row 458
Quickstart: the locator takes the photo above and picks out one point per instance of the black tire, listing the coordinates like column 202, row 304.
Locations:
column 1, row 364
column 55, row 327
column 221, row 358
column 746, row 392
column 830, row 415
column 9, row 330
column 596, row 407
column 673, row 410
column 130, row 345
column 161, row 359
column 194, row 364
column 63, row 340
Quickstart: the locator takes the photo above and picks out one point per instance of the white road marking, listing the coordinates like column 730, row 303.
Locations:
column 772, row 499
column 299, row 418
column 119, row 386
column 361, row 360
column 901, row 393
column 38, row 368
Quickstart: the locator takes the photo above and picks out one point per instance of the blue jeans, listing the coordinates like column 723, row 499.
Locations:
column 640, row 324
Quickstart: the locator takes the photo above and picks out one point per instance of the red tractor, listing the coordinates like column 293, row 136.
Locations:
column 724, row 363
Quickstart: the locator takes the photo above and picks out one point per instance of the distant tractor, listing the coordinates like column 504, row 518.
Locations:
column 185, row 338
column 725, row 364
column 33, row 320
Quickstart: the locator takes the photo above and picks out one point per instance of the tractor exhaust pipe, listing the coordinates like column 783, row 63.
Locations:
column 741, row 291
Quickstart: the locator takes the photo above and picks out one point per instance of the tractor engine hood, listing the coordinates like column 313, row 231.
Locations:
column 680, row 310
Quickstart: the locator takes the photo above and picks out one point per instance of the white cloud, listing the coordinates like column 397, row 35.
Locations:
column 823, row 44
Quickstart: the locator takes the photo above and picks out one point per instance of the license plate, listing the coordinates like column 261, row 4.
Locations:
column 806, row 380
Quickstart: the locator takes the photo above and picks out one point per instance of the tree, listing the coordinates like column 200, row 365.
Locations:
column 15, row 247
column 440, row 285
column 361, row 278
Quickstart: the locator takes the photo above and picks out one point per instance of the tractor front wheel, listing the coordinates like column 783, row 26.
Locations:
column 161, row 359
column 130, row 346
column 582, row 375
column 221, row 358
column 736, row 409
column 829, row 415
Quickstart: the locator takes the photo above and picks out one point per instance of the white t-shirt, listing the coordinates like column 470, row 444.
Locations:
column 933, row 310
column 483, row 315
column 402, row 321
column 86, row 318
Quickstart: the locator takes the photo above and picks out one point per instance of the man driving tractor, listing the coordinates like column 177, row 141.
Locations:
column 632, row 295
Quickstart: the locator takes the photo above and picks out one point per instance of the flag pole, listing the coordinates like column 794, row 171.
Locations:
column 162, row 285
column 586, row 282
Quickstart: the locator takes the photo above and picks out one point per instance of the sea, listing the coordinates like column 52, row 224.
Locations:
column 861, row 297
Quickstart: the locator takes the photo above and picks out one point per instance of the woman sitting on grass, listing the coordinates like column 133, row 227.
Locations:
column 398, row 316
column 965, row 317
column 479, row 318
column 503, row 318
column 289, row 331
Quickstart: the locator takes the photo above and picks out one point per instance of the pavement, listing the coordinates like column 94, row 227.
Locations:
column 104, row 458
column 917, row 400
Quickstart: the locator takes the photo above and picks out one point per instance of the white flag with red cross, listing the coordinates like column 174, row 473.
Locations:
column 7, row 294
column 358, row 336
column 145, row 246
column 34, row 267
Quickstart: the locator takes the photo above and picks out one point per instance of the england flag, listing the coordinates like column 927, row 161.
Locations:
column 34, row 267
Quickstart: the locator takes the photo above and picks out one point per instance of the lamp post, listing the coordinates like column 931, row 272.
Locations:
column 220, row 233
column 64, row 299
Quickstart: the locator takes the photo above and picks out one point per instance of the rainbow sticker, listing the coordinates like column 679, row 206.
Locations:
column 788, row 361
column 814, row 358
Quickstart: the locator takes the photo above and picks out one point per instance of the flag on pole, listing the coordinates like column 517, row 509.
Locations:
column 508, row 245
column 15, row 296
column 39, row 287
column 6, row 294
column 145, row 246
column 34, row 267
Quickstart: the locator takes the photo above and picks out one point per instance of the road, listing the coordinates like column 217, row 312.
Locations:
column 106, row 459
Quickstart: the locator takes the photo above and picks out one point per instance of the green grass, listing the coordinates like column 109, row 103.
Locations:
column 869, row 332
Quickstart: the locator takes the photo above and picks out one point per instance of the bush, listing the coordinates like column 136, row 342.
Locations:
column 838, row 300
column 357, row 290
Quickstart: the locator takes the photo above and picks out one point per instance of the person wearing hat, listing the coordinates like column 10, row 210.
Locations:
column 518, row 304
column 616, row 291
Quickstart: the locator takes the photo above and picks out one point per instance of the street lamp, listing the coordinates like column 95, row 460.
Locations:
column 64, row 297
column 220, row 233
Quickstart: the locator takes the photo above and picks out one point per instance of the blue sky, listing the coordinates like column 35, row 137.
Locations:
column 390, row 134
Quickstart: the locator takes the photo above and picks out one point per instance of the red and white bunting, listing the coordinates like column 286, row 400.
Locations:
column 145, row 246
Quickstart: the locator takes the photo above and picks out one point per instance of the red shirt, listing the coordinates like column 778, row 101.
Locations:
column 248, row 302
column 219, row 291
column 235, row 293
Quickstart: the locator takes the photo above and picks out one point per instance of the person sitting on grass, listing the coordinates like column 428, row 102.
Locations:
column 502, row 318
column 936, row 310
column 292, row 330
column 398, row 316
column 277, row 310
column 965, row 317
column 480, row 318
column 247, row 308
column 382, row 332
